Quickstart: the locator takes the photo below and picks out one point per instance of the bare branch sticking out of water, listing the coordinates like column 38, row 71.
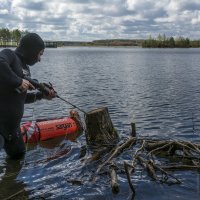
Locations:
column 119, row 149
column 164, row 153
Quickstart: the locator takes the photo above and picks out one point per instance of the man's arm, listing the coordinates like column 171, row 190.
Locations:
column 34, row 96
column 7, row 76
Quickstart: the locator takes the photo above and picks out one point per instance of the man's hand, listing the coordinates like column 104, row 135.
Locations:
column 48, row 91
column 26, row 85
column 52, row 94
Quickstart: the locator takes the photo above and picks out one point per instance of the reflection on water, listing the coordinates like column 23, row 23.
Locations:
column 156, row 88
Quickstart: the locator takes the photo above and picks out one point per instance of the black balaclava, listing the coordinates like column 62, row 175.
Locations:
column 29, row 47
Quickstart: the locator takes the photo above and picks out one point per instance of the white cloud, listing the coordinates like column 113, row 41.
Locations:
column 100, row 19
column 3, row 11
column 196, row 18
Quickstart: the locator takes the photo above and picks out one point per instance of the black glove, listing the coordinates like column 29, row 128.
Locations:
column 47, row 90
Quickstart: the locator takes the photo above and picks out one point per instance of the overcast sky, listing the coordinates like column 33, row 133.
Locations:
column 87, row 20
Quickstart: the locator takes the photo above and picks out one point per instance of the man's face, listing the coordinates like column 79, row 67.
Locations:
column 36, row 59
column 39, row 55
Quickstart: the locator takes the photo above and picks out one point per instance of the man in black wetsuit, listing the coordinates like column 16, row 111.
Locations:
column 14, row 68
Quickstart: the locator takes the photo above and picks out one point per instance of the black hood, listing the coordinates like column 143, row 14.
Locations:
column 29, row 47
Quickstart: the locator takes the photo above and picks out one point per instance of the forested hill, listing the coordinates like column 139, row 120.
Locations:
column 113, row 42
column 12, row 38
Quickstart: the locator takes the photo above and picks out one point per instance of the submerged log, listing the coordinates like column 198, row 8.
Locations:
column 113, row 177
column 180, row 167
column 100, row 128
column 126, row 166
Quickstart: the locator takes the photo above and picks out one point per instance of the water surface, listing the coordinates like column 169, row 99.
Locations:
column 158, row 89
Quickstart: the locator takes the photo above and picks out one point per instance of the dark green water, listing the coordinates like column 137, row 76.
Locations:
column 159, row 89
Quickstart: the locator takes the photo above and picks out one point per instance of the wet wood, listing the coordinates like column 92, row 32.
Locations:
column 95, row 155
column 181, row 167
column 155, row 144
column 22, row 194
column 118, row 150
column 100, row 129
column 133, row 130
column 113, row 177
column 148, row 166
column 126, row 167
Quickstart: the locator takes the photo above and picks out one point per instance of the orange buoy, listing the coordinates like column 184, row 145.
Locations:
column 34, row 132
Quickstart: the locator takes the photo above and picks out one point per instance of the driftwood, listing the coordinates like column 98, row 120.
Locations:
column 154, row 145
column 182, row 150
column 126, row 167
column 180, row 167
column 96, row 155
column 116, row 152
column 105, row 148
column 149, row 167
column 170, row 149
column 113, row 177
column 22, row 194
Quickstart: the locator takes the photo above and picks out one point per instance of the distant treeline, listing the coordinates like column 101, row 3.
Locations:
column 159, row 42
column 164, row 42
column 10, row 37
column 118, row 42
column 113, row 42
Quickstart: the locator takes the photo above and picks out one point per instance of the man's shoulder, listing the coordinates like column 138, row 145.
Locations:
column 7, row 54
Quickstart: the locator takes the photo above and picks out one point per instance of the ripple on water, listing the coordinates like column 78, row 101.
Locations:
column 158, row 89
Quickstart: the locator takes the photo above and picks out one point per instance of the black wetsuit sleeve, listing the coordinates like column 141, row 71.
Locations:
column 7, row 75
column 32, row 97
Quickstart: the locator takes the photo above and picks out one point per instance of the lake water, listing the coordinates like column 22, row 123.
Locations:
column 158, row 89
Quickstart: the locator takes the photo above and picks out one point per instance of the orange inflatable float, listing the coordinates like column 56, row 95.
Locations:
column 41, row 130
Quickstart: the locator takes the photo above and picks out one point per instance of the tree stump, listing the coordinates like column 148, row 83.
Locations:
column 99, row 127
